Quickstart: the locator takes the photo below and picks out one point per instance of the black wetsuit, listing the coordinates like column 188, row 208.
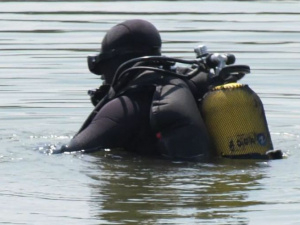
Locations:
column 121, row 123
column 155, row 114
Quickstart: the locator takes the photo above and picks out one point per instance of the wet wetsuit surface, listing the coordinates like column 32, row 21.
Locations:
column 122, row 122
column 156, row 115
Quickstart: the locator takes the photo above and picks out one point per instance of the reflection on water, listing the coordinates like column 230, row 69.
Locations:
column 43, row 84
column 163, row 192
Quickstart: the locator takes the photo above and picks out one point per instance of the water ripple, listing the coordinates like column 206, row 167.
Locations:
column 44, row 79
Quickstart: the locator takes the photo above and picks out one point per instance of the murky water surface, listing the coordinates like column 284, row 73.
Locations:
column 43, row 84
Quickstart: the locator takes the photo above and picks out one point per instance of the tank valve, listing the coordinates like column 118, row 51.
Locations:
column 201, row 51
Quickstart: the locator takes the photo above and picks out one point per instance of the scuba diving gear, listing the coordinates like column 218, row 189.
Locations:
column 163, row 65
column 98, row 93
column 216, row 61
column 158, row 75
column 133, row 34
column 201, row 51
column 132, row 37
column 219, row 61
column 234, row 114
column 98, row 62
column 235, row 118
column 175, row 116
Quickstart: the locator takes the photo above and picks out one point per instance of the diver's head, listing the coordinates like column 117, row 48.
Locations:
column 125, row 41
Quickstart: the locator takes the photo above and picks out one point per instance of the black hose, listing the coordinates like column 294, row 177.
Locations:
column 155, row 59
column 118, row 85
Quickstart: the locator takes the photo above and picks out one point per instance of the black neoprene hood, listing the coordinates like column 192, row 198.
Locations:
column 131, row 36
column 135, row 35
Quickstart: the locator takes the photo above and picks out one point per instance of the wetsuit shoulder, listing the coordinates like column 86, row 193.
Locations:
column 119, row 123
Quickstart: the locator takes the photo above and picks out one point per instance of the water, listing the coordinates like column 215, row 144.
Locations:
column 44, row 79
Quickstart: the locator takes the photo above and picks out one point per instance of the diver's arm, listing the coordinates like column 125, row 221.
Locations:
column 112, row 127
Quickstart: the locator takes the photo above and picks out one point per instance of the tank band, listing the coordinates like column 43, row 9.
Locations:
column 228, row 86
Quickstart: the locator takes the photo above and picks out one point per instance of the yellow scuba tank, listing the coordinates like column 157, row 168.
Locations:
column 236, row 121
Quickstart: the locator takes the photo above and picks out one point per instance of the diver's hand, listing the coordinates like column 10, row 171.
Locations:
column 61, row 150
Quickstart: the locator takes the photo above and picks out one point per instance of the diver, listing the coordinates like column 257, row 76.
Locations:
column 138, row 107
